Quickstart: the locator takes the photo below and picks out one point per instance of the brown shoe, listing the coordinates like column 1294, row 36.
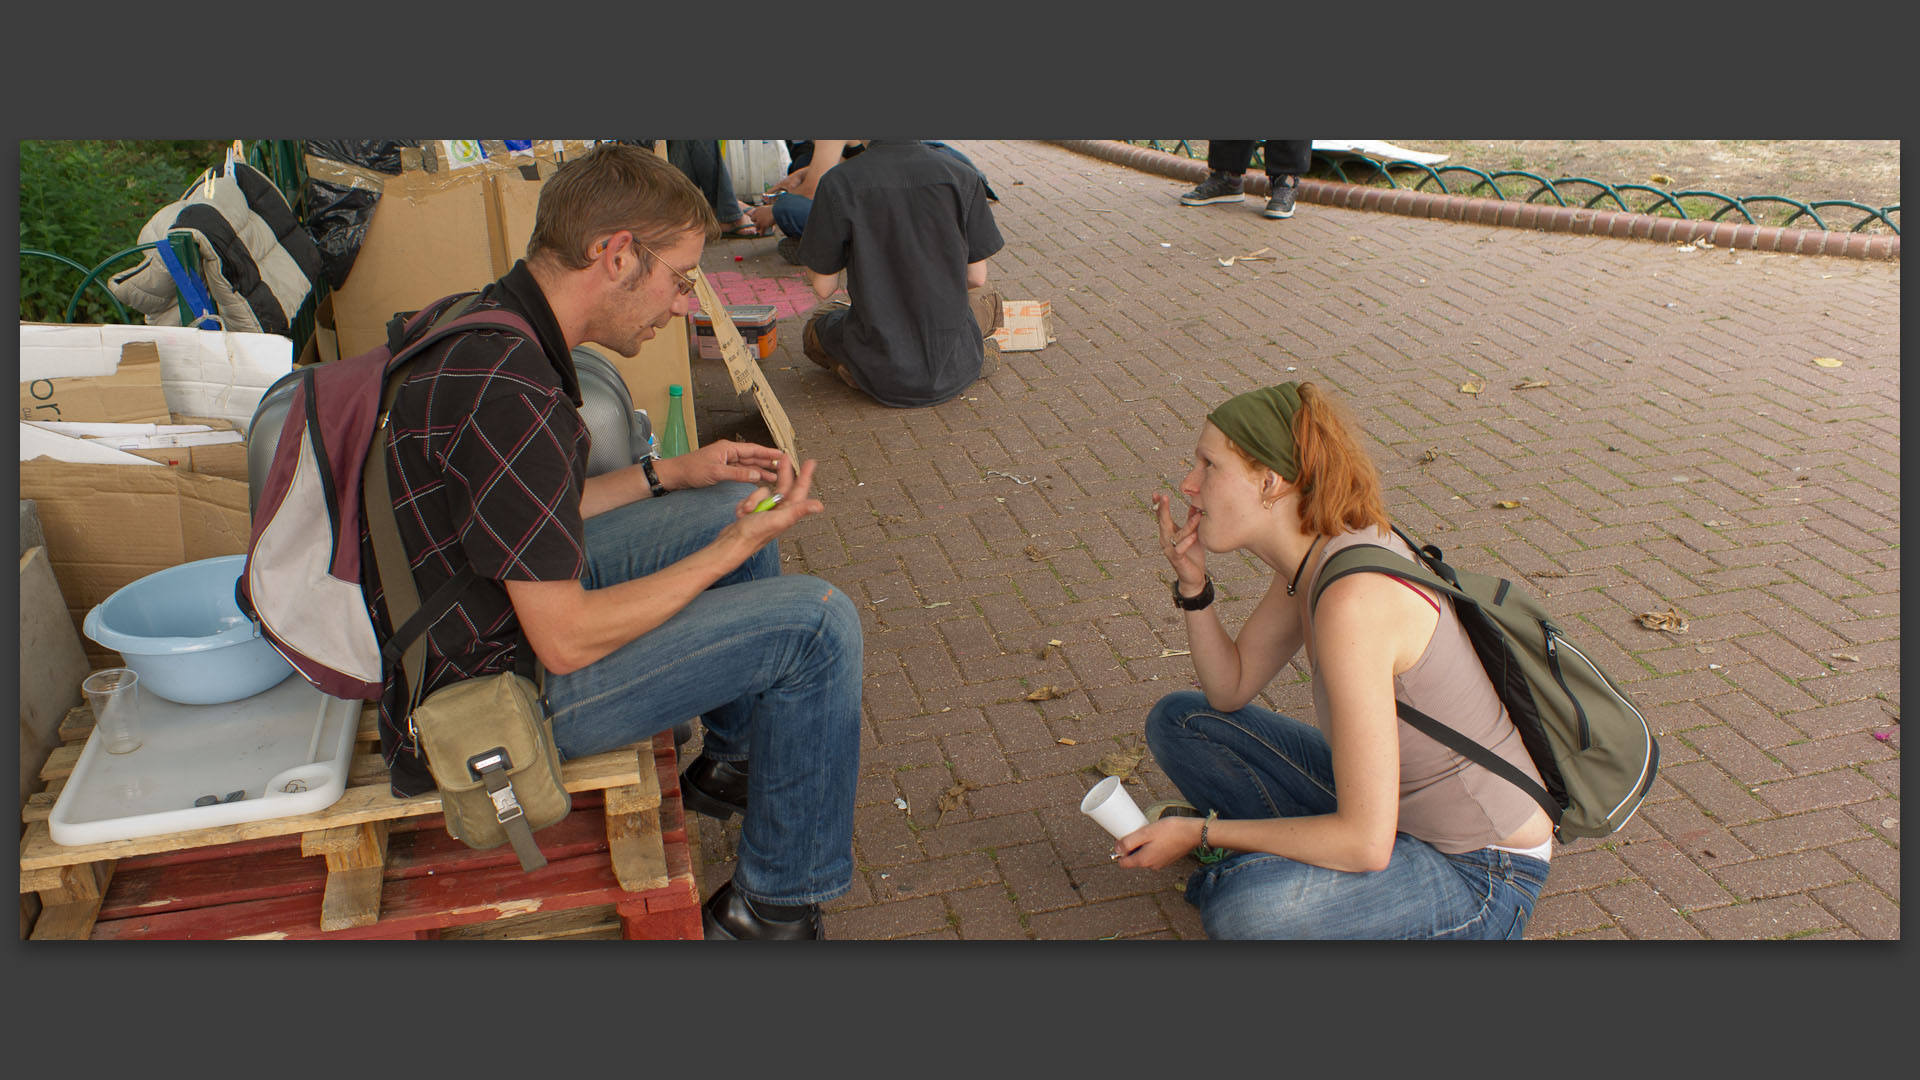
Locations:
column 810, row 344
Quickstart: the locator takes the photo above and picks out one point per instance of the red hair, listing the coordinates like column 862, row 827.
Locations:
column 1339, row 486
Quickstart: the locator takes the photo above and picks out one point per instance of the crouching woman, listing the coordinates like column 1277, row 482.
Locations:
column 1360, row 827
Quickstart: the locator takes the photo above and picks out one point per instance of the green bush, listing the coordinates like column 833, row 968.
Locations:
column 86, row 200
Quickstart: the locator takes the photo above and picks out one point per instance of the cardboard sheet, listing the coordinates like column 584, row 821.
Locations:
column 109, row 525
column 1029, row 325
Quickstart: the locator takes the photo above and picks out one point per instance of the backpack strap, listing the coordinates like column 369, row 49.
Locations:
column 1360, row 559
column 411, row 618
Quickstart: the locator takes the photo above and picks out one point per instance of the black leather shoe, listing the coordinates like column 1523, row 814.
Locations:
column 717, row 789
column 729, row 916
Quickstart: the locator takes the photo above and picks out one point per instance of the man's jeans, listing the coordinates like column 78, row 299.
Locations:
column 1253, row 763
column 773, row 664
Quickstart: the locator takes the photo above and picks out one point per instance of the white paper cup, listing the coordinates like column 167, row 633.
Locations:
column 1110, row 805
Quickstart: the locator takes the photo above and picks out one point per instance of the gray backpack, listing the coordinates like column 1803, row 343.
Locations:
column 1594, row 750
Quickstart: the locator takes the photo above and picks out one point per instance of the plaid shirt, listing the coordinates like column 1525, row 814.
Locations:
column 487, row 456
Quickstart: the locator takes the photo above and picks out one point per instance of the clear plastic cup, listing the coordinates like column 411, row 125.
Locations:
column 115, row 697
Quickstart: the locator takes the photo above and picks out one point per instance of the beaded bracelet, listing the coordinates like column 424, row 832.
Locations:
column 1211, row 815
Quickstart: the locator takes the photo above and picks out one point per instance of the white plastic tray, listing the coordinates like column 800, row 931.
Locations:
column 287, row 748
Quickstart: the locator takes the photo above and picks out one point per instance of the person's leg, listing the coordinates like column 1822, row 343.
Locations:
column 815, row 348
column 1226, row 176
column 699, row 159
column 1230, row 156
column 1286, row 160
column 1249, row 763
column 774, row 663
column 790, row 213
column 1422, row 894
column 1287, row 157
column 1253, row 763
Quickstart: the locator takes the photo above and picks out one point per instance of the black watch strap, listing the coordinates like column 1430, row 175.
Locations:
column 1193, row 603
column 653, row 478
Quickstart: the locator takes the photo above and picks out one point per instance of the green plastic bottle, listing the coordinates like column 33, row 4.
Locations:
column 673, row 440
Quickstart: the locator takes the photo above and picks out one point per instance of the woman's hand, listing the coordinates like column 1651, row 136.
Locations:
column 1181, row 545
column 1158, row 844
column 719, row 461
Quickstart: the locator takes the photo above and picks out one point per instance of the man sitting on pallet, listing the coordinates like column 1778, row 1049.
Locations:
column 652, row 593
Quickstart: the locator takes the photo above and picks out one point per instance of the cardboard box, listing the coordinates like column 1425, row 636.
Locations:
column 458, row 229
column 109, row 525
column 130, row 393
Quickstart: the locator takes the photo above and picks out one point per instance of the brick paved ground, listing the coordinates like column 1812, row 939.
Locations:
column 1687, row 452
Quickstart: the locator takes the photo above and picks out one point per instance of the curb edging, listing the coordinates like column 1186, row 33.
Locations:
column 1476, row 210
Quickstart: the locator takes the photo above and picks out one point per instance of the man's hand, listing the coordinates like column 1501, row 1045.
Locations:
column 720, row 461
column 757, row 527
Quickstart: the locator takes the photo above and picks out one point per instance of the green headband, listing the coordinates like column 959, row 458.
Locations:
column 1261, row 423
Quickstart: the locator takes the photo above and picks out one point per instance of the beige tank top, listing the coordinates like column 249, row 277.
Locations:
column 1445, row 799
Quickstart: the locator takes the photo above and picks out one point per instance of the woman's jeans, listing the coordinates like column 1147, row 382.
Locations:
column 1253, row 763
column 773, row 664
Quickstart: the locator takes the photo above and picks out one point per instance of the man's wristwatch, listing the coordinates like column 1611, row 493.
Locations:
column 1193, row 603
column 653, row 479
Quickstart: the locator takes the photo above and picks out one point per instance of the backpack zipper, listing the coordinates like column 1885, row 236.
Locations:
column 1553, row 661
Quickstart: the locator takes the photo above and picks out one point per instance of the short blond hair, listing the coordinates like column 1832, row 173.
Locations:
column 609, row 188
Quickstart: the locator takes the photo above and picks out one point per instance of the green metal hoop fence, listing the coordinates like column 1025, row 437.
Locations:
column 1524, row 186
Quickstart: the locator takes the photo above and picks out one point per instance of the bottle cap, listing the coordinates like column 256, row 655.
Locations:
column 674, row 390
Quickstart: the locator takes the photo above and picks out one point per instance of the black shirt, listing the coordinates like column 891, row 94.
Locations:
column 487, row 458
column 903, row 221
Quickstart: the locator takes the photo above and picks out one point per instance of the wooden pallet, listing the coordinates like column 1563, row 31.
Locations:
column 387, row 867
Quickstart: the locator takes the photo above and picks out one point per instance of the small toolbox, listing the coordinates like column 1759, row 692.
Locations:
column 754, row 321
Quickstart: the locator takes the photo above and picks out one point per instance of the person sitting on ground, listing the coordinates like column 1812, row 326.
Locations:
column 650, row 594
column 912, row 229
column 1226, row 180
column 1362, row 827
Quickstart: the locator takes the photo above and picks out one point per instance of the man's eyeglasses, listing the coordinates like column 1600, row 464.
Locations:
column 685, row 284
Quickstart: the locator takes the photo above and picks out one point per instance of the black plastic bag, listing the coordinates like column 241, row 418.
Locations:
column 337, row 214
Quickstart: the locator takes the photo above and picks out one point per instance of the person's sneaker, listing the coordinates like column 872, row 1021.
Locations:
column 1218, row 187
column 1281, row 204
column 989, row 357
column 789, row 249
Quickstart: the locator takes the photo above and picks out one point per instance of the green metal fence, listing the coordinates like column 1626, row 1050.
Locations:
column 1519, row 184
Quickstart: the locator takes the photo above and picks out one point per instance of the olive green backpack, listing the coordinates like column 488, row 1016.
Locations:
column 1594, row 750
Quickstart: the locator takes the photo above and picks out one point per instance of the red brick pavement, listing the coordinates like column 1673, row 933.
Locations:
column 1686, row 451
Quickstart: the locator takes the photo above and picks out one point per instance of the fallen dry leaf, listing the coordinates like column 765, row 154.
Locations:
column 1507, row 504
column 1473, row 388
column 1531, row 384
column 1047, row 693
column 1826, row 361
column 1844, row 656
column 1669, row 620
column 1032, row 551
column 1659, row 178
column 951, row 798
column 1431, row 455
column 1122, row 762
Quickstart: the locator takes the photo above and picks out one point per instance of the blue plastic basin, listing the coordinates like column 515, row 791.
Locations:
column 183, row 632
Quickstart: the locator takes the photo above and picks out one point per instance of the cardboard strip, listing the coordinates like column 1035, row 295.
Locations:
column 746, row 374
